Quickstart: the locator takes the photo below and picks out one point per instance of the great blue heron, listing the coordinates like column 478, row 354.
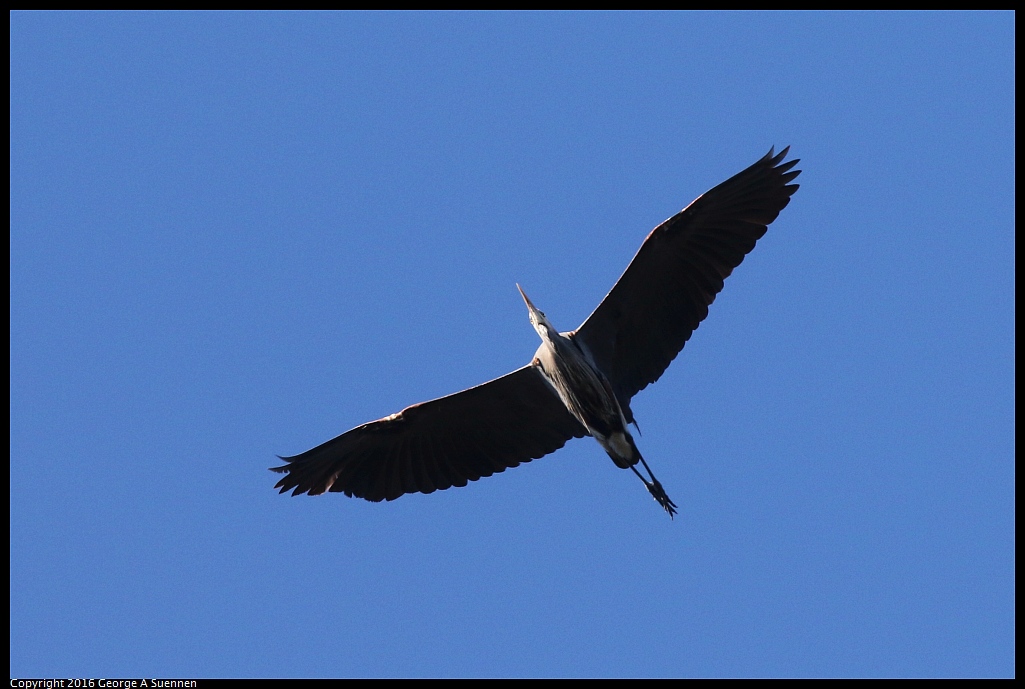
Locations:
column 580, row 382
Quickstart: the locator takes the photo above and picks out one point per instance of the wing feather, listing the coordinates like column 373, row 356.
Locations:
column 439, row 444
column 665, row 292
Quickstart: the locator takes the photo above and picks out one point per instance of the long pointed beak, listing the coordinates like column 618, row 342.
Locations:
column 530, row 304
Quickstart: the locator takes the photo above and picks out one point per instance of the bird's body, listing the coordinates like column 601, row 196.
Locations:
column 583, row 389
column 588, row 395
column 579, row 383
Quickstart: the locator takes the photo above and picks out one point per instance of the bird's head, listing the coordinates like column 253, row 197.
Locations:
column 538, row 319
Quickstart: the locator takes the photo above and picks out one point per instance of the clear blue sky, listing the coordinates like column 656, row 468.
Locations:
column 238, row 235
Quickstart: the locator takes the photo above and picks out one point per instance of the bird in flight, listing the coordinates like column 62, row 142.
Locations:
column 580, row 382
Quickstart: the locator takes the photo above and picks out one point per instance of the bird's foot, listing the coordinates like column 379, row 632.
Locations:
column 659, row 493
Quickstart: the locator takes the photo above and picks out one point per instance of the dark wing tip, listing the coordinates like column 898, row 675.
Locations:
column 774, row 159
column 777, row 164
column 289, row 481
column 784, row 170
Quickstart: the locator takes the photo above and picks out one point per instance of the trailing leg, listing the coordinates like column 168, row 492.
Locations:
column 656, row 489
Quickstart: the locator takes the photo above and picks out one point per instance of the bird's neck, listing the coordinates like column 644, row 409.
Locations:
column 549, row 335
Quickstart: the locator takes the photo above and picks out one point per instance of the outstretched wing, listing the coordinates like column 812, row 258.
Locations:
column 643, row 323
column 438, row 444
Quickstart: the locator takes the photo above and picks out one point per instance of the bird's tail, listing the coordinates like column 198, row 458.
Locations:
column 621, row 448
